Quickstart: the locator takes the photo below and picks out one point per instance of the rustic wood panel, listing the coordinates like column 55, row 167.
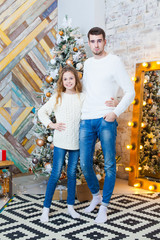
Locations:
column 27, row 34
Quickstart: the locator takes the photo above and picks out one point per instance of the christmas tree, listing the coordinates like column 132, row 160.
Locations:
column 149, row 148
column 68, row 50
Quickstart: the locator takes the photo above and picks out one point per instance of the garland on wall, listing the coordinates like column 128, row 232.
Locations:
column 149, row 148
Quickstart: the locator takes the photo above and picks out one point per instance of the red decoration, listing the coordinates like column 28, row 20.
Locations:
column 2, row 155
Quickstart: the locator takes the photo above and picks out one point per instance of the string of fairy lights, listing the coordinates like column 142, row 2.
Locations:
column 152, row 186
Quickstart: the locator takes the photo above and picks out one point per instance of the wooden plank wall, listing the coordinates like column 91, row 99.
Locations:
column 27, row 34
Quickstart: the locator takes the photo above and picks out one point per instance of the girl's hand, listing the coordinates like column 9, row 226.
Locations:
column 111, row 103
column 57, row 126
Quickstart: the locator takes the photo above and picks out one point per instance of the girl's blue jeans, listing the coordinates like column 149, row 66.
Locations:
column 58, row 161
column 90, row 130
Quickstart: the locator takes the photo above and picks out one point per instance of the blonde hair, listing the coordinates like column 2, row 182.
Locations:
column 61, row 88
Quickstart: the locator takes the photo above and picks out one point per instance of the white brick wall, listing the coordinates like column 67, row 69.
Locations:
column 132, row 32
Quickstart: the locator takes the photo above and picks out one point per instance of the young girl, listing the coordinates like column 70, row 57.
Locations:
column 66, row 104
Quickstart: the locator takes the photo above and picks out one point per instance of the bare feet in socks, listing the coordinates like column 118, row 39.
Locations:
column 44, row 217
column 102, row 215
column 72, row 212
column 95, row 201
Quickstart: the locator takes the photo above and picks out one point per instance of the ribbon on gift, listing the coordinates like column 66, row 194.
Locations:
column 61, row 188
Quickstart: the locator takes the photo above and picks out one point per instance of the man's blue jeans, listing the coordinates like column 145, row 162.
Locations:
column 58, row 161
column 90, row 130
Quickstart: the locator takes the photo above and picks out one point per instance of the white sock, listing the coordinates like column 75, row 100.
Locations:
column 102, row 215
column 44, row 216
column 72, row 212
column 95, row 201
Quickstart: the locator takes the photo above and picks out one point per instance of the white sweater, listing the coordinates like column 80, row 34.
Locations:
column 102, row 79
column 68, row 112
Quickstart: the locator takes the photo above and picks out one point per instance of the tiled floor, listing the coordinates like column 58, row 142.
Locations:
column 30, row 185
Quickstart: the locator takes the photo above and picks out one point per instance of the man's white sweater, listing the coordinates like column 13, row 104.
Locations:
column 101, row 80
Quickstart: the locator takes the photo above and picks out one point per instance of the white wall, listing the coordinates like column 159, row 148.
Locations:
column 85, row 14
column 132, row 32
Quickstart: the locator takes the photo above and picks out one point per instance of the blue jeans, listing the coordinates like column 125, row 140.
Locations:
column 58, row 161
column 90, row 130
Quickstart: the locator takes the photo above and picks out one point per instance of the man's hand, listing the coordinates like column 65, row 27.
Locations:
column 57, row 126
column 111, row 103
column 110, row 117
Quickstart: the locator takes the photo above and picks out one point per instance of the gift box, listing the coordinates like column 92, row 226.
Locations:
column 2, row 155
column 83, row 192
column 60, row 193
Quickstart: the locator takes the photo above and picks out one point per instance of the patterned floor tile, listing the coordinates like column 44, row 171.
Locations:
column 130, row 217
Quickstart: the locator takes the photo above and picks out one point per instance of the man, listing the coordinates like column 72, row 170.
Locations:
column 104, row 73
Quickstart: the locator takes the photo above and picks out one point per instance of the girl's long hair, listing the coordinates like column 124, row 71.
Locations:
column 61, row 88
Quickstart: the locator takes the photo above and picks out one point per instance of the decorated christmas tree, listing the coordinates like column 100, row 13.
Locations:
column 68, row 50
column 149, row 148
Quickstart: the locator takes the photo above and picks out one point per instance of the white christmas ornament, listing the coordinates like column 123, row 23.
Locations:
column 147, row 77
column 48, row 168
column 54, row 73
column 79, row 66
column 76, row 56
column 79, row 41
column 53, row 61
column 50, row 139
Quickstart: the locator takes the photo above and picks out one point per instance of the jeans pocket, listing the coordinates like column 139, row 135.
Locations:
column 107, row 121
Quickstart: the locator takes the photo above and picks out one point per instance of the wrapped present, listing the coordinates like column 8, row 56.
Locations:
column 83, row 192
column 60, row 193
column 2, row 155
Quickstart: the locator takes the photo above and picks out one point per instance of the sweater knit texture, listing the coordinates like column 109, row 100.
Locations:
column 101, row 81
column 69, row 112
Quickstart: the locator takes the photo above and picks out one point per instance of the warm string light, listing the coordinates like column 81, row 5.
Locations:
column 151, row 187
column 130, row 146
column 135, row 101
column 145, row 64
column 143, row 125
column 139, row 168
column 144, row 103
column 132, row 124
column 141, row 147
column 145, row 81
column 134, row 79
column 158, row 62
column 129, row 169
column 137, row 185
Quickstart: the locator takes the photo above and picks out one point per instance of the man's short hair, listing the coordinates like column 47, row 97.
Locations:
column 96, row 31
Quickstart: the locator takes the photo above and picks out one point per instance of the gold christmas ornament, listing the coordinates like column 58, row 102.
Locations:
column 150, row 84
column 60, row 33
column 51, row 146
column 48, row 94
column 69, row 62
column 49, row 79
column 80, row 75
column 150, row 101
column 40, row 142
column 75, row 49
